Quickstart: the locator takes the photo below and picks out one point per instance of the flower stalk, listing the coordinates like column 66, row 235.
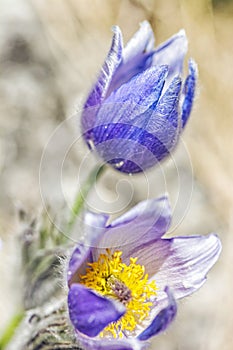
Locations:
column 10, row 329
column 83, row 193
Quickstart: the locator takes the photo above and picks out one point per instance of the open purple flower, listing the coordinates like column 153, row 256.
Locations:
column 124, row 277
column 139, row 105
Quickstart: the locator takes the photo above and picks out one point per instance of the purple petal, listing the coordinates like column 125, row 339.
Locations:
column 131, row 140
column 164, row 121
column 133, row 98
column 152, row 254
column 121, row 133
column 189, row 91
column 172, row 53
column 94, row 228
column 128, row 148
column 145, row 222
column 137, row 56
column 188, row 260
column 151, row 212
column 99, row 90
column 91, row 313
column 142, row 41
column 126, row 71
column 111, row 344
column 182, row 262
column 162, row 320
column 166, row 111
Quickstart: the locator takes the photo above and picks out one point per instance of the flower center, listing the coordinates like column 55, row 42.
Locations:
column 128, row 284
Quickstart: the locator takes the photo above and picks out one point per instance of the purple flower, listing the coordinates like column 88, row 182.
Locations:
column 124, row 277
column 139, row 106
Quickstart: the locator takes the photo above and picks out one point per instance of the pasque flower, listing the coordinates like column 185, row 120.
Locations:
column 124, row 278
column 139, row 105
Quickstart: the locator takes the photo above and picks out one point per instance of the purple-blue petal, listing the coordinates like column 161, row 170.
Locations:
column 181, row 262
column 160, row 128
column 99, row 90
column 137, row 56
column 142, row 41
column 162, row 320
column 145, row 222
column 154, row 212
column 172, row 53
column 110, row 65
column 189, row 92
column 94, row 228
column 111, row 344
column 135, row 128
column 131, row 149
column 89, row 312
column 167, row 107
column 133, row 98
column 127, row 71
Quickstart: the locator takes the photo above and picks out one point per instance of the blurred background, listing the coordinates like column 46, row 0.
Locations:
column 51, row 52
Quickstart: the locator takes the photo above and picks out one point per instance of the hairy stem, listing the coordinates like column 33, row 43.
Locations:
column 83, row 193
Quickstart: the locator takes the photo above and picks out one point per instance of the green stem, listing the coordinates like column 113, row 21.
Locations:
column 10, row 330
column 83, row 193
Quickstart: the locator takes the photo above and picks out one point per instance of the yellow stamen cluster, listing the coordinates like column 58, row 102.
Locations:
column 127, row 283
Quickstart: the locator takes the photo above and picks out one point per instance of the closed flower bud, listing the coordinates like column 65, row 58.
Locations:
column 137, row 109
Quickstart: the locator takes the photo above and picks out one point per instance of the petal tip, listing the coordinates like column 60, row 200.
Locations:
column 95, row 220
column 182, row 35
column 116, row 30
column 145, row 25
column 193, row 68
column 216, row 242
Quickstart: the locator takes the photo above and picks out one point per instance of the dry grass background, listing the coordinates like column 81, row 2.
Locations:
column 50, row 54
